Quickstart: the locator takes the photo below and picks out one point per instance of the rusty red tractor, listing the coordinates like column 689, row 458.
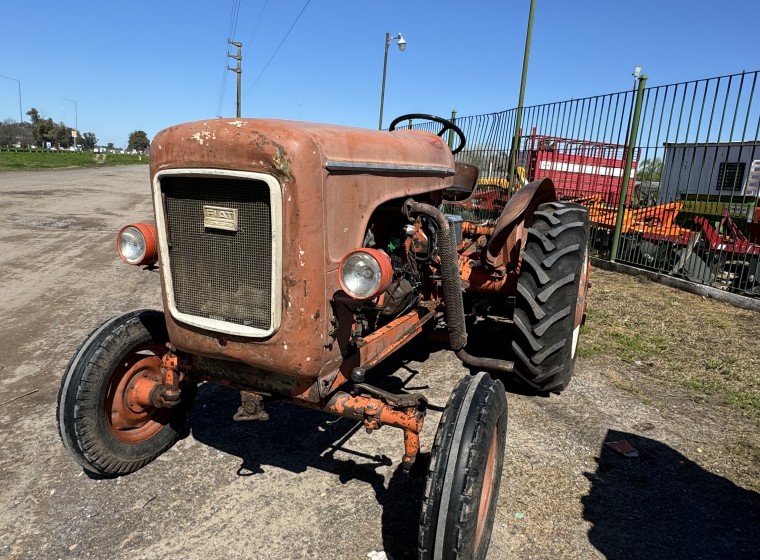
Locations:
column 293, row 258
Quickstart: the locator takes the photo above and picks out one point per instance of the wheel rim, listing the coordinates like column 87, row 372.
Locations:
column 129, row 421
column 580, row 306
column 486, row 492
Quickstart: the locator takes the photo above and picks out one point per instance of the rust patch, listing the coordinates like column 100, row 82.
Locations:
column 282, row 163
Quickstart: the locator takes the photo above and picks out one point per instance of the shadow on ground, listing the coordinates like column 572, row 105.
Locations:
column 295, row 439
column 662, row 505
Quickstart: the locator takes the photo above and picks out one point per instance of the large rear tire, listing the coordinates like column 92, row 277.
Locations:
column 551, row 296
column 97, row 425
column 462, row 487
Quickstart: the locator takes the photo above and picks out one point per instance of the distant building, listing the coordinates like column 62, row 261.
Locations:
column 710, row 169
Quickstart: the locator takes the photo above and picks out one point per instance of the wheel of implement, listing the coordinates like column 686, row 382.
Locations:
column 99, row 425
column 462, row 487
column 551, row 296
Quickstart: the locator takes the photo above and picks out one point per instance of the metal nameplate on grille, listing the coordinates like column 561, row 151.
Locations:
column 217, row 217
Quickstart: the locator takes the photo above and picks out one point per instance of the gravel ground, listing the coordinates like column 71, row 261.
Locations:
column 305, row 485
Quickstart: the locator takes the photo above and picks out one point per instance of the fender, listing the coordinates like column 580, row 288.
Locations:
column 506, row 234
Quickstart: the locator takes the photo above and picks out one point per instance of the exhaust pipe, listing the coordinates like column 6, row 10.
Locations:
column 452, row 289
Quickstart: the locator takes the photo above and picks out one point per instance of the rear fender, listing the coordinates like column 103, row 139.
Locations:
column 509, row 233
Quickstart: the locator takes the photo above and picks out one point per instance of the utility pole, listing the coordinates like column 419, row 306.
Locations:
column 238, row 70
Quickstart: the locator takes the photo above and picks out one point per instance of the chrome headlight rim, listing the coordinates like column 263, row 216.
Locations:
column 365, row 273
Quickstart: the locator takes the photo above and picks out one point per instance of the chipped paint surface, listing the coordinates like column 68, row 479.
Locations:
column 203, row 136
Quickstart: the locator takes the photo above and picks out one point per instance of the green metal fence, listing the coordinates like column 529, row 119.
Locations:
column 676, row 168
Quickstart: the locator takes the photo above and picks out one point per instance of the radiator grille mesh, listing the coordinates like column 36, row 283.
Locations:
column 217, row 274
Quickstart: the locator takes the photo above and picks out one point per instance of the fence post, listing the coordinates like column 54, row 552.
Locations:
column 632, row 134
column 518, row 117
column 451, row 132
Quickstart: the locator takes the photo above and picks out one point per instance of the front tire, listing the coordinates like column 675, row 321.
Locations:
column 462, row 487
column 96, row 424
column 551, row 296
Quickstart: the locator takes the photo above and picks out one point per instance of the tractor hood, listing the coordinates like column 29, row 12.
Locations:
column 253, row 144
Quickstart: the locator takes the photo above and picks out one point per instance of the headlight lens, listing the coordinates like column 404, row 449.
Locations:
column 137, row 244
column 132, row 245
column 365, row 273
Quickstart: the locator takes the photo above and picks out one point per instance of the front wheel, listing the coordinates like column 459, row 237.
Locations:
column 105, row 432
column 459, row 504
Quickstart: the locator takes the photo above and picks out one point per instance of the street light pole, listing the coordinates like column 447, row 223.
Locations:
column 76, row 119
column 402, row 48
column 20, row 114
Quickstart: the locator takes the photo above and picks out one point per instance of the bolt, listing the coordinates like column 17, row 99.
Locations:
column 358, row 375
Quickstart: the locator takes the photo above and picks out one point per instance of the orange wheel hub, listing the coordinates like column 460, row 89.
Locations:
column 130, row 415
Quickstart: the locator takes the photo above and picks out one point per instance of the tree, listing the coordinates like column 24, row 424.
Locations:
column 138, row 140
column 34, row 116
column 650, row 170
column 110, row 146
column 89, row 141
column 10, row 131
column 62, row 135
column 43, row 130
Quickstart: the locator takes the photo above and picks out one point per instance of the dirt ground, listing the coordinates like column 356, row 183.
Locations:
column 662, row 376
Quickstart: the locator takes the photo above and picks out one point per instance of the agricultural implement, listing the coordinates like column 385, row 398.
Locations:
column 706, row 253
column 294, row 258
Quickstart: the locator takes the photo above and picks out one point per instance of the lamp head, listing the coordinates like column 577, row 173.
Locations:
column 401, row 43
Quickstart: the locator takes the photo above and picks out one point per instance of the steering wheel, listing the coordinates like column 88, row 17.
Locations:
column 447, row 125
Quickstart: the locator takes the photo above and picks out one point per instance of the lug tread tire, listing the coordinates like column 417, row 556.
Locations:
column 81, row 397
column 455, row 478
column 544, row 314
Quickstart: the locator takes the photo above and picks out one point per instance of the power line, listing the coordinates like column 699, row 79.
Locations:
column 234, row 13
column 255, row 27
column 278, row 47
column 234, row 18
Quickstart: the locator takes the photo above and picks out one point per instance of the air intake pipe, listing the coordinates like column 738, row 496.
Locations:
column 452, row 289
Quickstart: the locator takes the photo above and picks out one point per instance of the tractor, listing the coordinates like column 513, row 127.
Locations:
column 294, row 257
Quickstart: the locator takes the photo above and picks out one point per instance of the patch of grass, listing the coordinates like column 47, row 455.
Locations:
column 587, row 350
column 639, row 346
column 673, row 334
column 723, row 366
column 748, row 401
column 52, row 160
column 745, row 399
column 705, row 386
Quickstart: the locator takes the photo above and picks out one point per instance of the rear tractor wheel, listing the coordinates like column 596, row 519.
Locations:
column 462, row 487
column 551, row 296
column 99, row 422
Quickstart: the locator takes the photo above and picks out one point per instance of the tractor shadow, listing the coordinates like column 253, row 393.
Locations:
column 662, row 505
column 296, row 439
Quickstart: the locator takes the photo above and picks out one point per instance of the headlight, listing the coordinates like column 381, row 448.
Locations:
column 365, row 273
column 137, row 244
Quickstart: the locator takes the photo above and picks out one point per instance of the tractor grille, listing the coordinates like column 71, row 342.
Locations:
column 218, row 274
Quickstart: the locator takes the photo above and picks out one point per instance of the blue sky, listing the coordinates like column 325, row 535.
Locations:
column 147, row 65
